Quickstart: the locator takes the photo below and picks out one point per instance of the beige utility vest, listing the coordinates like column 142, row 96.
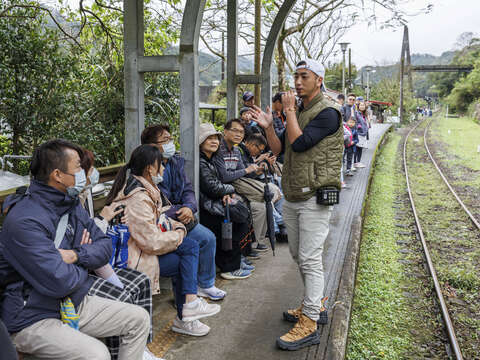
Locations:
column 319, row 166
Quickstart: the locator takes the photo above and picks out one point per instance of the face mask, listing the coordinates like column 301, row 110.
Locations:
column 94, row 177
column 168, row 150
column 253, row 123
column 80, row 182
column 157, row 179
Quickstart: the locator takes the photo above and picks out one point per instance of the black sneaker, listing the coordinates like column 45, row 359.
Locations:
column 253, row 255
column 261, row 247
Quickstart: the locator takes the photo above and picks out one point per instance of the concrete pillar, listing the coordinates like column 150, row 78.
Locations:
column 134, row 84
column 232, row 54
column 189, row 88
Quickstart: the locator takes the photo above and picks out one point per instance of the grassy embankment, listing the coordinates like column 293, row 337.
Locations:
column 392, row 316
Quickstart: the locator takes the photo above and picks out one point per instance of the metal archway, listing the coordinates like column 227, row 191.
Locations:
column 136, row 64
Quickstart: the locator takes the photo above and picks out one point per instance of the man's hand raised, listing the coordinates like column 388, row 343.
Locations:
column 264, row 119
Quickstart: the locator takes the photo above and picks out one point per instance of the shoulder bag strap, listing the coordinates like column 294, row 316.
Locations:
column 61, row 229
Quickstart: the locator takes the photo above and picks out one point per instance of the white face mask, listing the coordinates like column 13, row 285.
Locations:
column 94, row 177
column 80, row 182
column 157, row 179
column 168, row 150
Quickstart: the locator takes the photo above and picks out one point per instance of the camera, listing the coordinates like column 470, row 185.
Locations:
column 118, row 218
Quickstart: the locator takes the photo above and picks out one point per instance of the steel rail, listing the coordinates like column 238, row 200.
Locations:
column 470, row 215
column 446, row 317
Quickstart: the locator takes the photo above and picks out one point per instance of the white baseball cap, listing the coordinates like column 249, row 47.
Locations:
column 314, row 66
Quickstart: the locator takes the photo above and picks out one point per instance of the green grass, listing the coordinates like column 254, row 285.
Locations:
column 462, row 137
column 378, row 326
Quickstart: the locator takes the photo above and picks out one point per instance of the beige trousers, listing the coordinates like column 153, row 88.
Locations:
column 307, row 227
column 259, row 218
column 99, row 318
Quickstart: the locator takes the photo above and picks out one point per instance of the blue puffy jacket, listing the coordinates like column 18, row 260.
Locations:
column 27, row 247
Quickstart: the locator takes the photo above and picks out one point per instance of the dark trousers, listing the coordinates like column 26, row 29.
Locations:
column 226, row 260
column 181, row 265
column 349, row 154
column 358, row 154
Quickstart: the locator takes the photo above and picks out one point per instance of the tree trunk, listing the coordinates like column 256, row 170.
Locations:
column 281, row 62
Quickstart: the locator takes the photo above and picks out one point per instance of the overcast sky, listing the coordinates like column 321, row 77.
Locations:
column 431, row 33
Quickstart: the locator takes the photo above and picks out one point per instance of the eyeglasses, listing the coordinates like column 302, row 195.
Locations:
column 237, row 131
column 259, row 148
column 163, row 142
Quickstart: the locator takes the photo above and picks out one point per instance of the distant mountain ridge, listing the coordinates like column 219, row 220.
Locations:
column 388, row 71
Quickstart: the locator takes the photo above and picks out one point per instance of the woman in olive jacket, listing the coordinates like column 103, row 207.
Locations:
column 213, row 196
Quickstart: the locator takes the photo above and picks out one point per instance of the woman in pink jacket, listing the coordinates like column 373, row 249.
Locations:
column 157, row 245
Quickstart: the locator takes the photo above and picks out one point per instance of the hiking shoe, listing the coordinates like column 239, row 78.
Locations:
column 192, row 328
column 212, row 293
column 147, row 355
column 246, row 261
column 304, row 333
column 236, row 275
column 253, row 255
column 359, row 165
column 198, row 309
column 261, row 247
column 244, row 266
column 293, row 315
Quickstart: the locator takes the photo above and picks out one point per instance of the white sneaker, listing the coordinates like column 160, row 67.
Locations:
column 192, row 328
column 147, row 355
column 359, row 165
column 212, row 293
column 199, row 309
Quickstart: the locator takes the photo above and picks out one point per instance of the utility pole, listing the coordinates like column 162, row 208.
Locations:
column 223, row 55
column 405, row 54
column 258, row 29
column 350, row 82
column 367, row 92
column 343, row 46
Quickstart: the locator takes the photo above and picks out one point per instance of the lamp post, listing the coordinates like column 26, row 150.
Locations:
column 343, row 46
column 368, row 69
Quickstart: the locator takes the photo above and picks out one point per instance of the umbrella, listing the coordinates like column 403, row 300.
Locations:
column 268, row 196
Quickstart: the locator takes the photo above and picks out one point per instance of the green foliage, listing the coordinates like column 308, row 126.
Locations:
column 388, row 89
column 466, row 91
column 334, row 76
column 50, row 87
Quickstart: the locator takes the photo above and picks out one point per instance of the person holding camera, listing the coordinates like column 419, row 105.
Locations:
column 179, row 193
column 312, row 144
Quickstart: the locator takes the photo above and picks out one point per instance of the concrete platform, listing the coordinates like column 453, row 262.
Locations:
column 251, row 316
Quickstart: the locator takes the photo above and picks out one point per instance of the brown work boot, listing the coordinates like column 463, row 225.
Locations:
column 292, row 315
column 304, row 333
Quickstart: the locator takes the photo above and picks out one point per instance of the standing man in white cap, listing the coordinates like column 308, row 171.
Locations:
column 313, row 145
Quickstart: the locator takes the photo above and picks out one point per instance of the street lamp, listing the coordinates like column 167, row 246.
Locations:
column 368, row 69
column 344, row 46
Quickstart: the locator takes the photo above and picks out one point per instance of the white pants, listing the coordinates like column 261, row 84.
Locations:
column 307, row 226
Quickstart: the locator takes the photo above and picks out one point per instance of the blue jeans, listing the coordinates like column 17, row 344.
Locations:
column 181, row 265
column 207, row 243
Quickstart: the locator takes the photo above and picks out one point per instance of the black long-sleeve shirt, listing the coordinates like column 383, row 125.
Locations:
column 326, row 123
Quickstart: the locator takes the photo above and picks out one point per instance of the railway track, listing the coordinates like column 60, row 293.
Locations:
column 455, row 347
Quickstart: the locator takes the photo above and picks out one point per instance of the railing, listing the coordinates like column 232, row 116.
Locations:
column 107, row 173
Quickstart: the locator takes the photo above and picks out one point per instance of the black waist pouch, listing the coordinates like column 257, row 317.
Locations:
column 328, row 195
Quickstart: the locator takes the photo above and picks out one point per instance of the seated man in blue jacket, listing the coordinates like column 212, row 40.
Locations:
column 52, row 273
column 178, row 190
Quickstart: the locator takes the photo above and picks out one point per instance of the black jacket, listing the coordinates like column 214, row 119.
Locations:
column 210, row 185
